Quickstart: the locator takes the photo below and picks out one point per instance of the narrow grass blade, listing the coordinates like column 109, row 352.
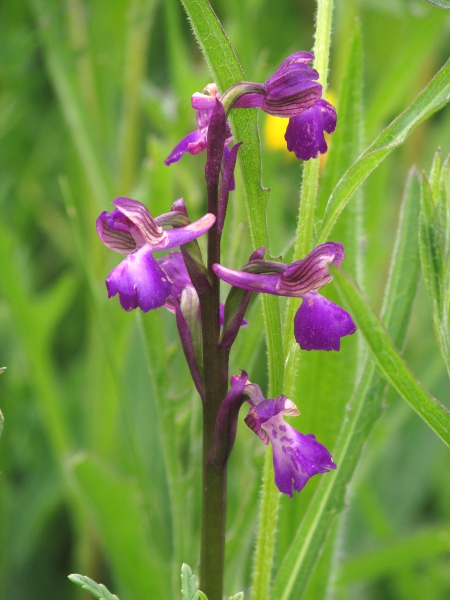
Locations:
column 389, row 361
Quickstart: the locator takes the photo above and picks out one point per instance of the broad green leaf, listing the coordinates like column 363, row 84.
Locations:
column 98, row 590
column 389, row 361
column 431, row 99
column 117, row 507
column 362, row 412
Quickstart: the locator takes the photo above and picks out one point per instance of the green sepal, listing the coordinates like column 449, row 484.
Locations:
column 98, row 590
column 238, row 596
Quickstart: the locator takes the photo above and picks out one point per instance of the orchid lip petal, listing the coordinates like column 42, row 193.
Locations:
column 183, row 235
column 139, row 281
column 319, row 324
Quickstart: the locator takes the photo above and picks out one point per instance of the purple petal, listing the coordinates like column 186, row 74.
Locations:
column 139, row 281
column 114, row 229
column 296, row 457
column 250, row 101
column 311, row 273
column 301, row 57
column 254, row 282
column 319, row 324
column 202, row 101
column 174, row 267
column 187, row 233
column 305, row 132
column 143, row 222
column 192, row 139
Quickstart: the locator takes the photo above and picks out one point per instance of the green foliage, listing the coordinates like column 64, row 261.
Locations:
column 188, row 584
column 98, row 590
column 100, row 459
column 434, row 239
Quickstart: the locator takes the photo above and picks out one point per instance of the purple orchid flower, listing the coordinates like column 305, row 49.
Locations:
column 131, row 230
column 296, row 456
column 292, row 92
column 319, row 323
column 196, row 141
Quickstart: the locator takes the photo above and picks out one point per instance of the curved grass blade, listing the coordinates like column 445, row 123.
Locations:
column 389, row 361
column 431, row 99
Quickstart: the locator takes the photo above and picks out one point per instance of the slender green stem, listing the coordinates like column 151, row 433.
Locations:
column 265, row 544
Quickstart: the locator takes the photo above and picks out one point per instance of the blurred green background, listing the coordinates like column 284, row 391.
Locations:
column 100, row 453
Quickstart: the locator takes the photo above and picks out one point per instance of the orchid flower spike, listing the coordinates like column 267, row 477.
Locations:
column 319, row 323
column 131, row 230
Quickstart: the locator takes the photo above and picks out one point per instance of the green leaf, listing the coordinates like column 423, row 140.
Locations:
column 238, row 596
column 431, row 99
column 189, row 585
column 362, row 412
column 434, row 236
column 116, row 505
column 441, row 3
column 389, row 361
column 98, row 590
column 409, row 551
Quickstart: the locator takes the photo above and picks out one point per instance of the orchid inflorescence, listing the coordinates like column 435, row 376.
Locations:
column 180, row 281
